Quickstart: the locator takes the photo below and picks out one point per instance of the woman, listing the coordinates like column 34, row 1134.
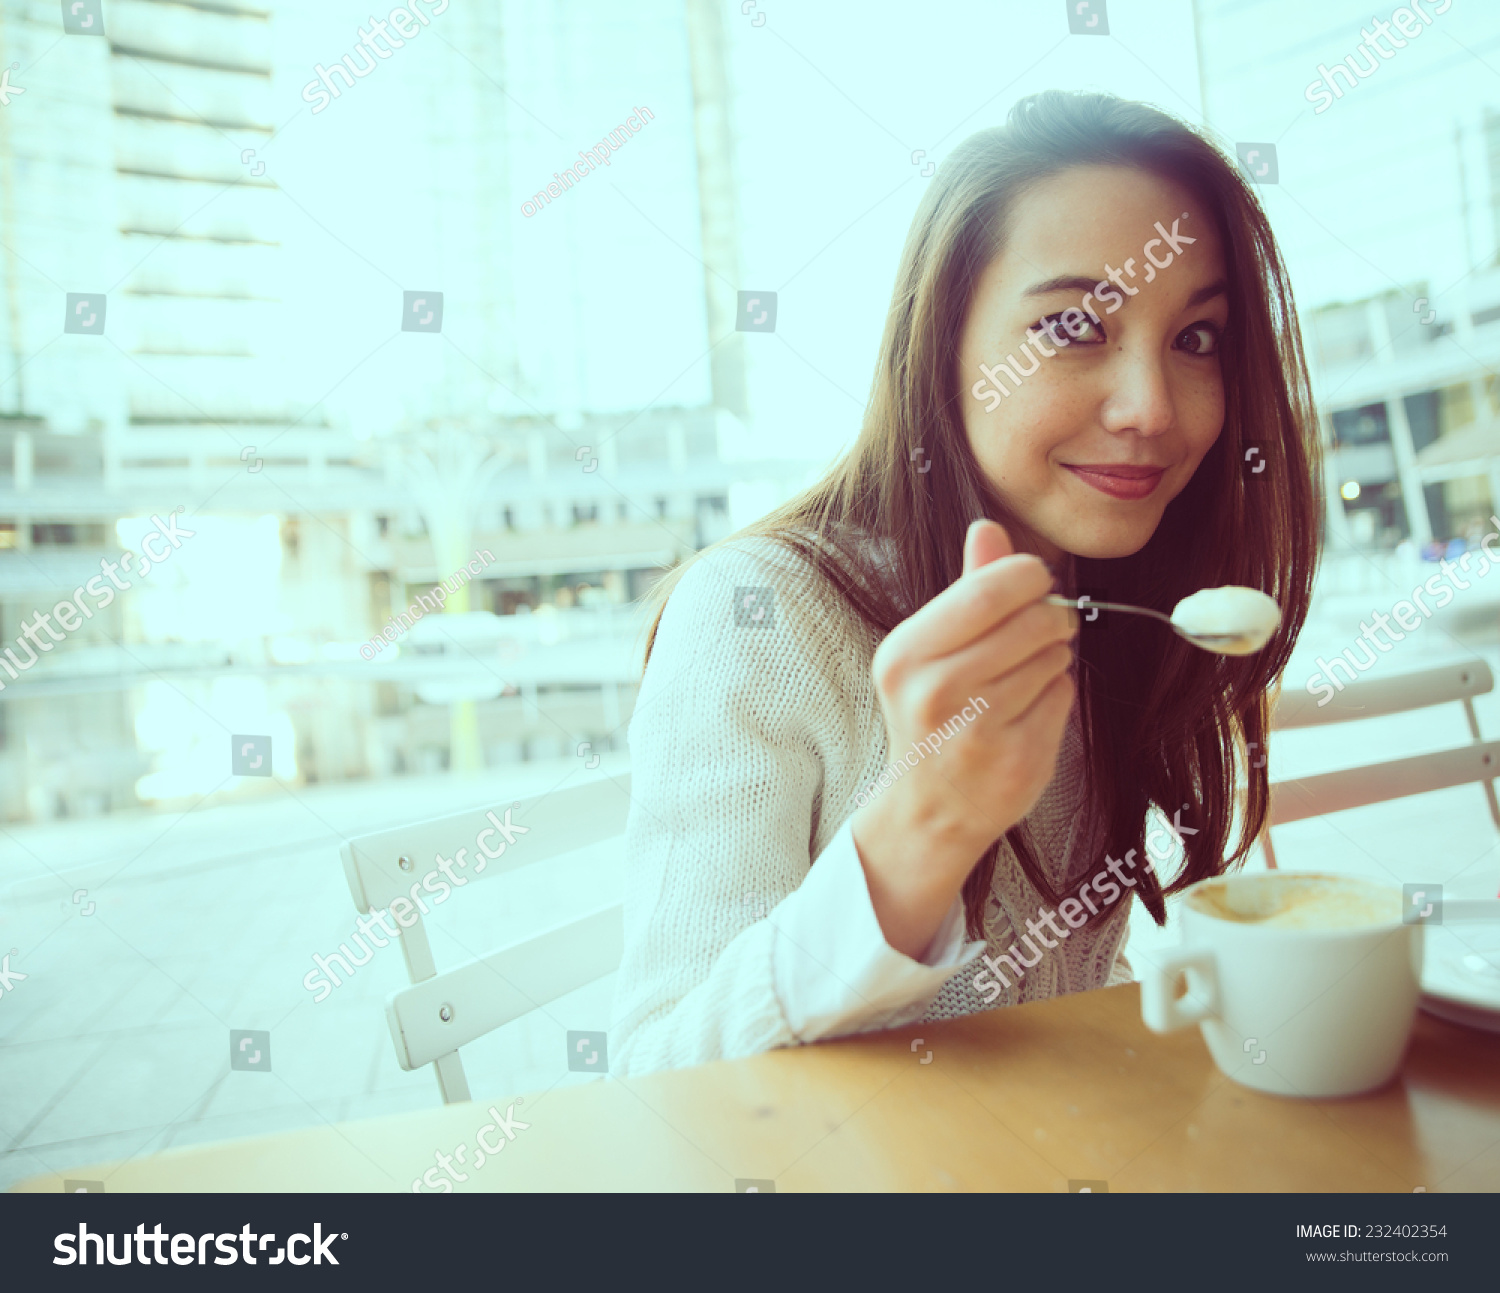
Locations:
column 877, row 778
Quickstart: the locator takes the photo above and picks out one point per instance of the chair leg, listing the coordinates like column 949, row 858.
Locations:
column 1489, row 786
column 1489, row 793
column 1270, row 853
column 452, row 1083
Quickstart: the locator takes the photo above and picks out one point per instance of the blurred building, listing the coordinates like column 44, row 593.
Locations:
column 152, row 171
column 1389, row 220
column 1410, row 405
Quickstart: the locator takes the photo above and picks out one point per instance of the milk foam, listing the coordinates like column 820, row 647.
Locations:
column 1244, row 617
column 1299, row 902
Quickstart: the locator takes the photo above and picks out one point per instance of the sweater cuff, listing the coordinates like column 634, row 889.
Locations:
column 832, row 969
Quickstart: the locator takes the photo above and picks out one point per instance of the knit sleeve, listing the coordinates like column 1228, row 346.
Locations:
column 736, row 940
column 1121, row 971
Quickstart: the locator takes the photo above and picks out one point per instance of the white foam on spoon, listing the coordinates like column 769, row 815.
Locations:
column 1245, row 617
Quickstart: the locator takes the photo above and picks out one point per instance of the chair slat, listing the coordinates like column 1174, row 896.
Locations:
column 556, row 823
column 484, row 994
column 1374, row 697
column 1332, row 792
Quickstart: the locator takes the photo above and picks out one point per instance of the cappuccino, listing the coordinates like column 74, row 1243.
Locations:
column 1311, row 902
column 1303, row 983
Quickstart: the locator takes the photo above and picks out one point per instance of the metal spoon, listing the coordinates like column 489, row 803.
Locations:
column 1221, row 643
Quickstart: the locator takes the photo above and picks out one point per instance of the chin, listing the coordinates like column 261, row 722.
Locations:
column 1119, row 541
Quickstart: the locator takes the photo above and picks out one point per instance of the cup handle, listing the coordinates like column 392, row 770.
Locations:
column 1162, row 1010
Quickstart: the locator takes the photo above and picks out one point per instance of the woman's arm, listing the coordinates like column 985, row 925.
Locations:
column 737, row 723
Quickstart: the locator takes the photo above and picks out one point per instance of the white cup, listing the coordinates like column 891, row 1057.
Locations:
column 1304, row 984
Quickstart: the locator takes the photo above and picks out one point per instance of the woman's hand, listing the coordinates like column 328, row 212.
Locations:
column 991, row 638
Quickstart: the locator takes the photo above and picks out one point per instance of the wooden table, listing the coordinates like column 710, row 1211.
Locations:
column 1031, row 1098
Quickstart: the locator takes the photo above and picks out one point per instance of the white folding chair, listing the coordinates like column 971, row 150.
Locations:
column 430, row 1020
column 1295, row 799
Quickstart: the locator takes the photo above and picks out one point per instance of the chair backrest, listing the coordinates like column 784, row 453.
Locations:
column 1331, row 792
column 1374, row 697
column 405, row 866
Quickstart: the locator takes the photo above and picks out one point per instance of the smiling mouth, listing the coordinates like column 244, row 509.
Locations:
column 1118, row 480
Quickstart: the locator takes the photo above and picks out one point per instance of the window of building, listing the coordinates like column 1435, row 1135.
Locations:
column 1365, row 425
column 67, row 534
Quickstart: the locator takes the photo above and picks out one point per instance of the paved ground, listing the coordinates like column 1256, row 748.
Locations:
column 116, row 1043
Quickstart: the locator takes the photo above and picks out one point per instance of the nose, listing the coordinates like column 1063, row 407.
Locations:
column 1140, row 398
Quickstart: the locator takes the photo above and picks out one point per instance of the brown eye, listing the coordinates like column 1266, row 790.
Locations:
column 1090, row 330
column 1201, row 338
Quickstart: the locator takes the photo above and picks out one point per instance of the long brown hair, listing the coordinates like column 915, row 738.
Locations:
column 1163, row 722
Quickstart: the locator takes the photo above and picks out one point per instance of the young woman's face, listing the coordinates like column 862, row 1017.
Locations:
column 1088, row 450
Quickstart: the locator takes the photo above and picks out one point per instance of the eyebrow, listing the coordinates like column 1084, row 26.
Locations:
column 1064, row 283
column 1082, row 283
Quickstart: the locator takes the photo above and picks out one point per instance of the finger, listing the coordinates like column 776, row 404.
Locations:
column 1046, row 716
column 971, row 606
column 985, row 542
column 1012, row 695
column 1011, row 643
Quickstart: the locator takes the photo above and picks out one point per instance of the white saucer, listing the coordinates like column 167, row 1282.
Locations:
column 1461, row 974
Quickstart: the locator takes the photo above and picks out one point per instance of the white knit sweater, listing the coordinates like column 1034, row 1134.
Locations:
column 756, row 724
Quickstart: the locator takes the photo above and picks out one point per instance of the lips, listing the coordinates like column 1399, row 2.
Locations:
column 1119, row 480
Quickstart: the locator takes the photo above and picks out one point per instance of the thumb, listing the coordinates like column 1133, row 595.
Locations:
column 985, row 542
